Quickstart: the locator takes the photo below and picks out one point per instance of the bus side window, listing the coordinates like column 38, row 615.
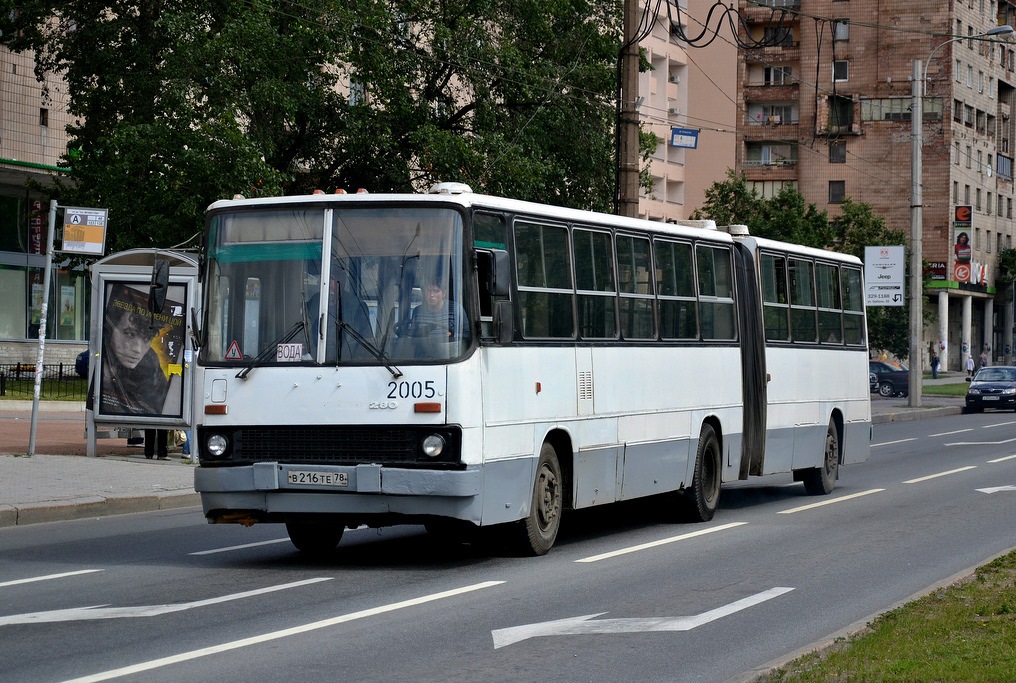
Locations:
column 775, row 303
column 493, row 277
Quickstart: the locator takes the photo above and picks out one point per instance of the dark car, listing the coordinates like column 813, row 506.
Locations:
column 992, row 387
column 81, row 364
column 891, row 379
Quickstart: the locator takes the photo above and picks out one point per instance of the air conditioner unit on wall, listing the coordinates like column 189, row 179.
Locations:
column 674, row 78
column 674, row 111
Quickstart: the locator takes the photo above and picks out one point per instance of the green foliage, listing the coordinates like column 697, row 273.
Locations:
column 648, row 143
column 1006, row 267
column 788, row 218
column 183, row 102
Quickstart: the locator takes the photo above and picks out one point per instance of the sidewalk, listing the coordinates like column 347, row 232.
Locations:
column 60, row 482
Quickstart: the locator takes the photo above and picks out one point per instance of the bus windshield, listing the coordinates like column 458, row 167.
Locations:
column 353, row 285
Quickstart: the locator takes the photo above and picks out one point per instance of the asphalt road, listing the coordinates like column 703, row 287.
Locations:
column 624, row 595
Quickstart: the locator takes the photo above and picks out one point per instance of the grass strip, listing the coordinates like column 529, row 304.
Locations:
column 962, row 632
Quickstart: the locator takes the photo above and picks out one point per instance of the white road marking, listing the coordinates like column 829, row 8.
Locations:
column 106, row 612
column 958, row 431
column 940, row 474
column 664, row 541
column 829, row 502
column 49, row 577
column 998, row 424
column 276, row 635
column 981, row 443
column 238, row 547
column 584, row 625
column 890, row 443
column 1003, row 459
column 996, row 489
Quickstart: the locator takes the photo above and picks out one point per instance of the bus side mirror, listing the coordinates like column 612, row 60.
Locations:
column 500, row 276
column 504, row 326
column 160, row 284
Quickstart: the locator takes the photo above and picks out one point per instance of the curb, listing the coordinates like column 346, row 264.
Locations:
column 93, row 506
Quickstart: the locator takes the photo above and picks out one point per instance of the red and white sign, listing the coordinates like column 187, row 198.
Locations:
column 233, row 352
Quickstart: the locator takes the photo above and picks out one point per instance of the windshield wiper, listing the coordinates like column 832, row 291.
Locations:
column 265, row 352
column 378, row 354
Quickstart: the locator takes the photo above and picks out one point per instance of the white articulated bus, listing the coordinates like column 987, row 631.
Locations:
column 459, row 359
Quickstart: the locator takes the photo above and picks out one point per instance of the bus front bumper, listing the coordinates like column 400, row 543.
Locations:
column 266, row 492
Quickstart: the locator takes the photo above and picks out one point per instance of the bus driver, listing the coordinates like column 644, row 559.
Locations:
column 435, row 317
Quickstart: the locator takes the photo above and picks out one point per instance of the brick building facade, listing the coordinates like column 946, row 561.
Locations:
column 827, row 107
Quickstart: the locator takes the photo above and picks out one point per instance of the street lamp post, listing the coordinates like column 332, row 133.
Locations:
column 918, row 89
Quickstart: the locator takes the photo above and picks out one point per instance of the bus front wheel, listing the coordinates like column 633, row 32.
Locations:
column 536, row 533
column 314, row 538
column 702, row 499
column 819, row 481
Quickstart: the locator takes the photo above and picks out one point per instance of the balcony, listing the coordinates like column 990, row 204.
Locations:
column 756, row 14
column 755, row 132
column 757, row 171
column 776, row 92
column 789, row 52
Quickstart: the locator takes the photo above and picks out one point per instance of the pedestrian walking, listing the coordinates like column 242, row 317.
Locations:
column 970, row 366
column 934, row 365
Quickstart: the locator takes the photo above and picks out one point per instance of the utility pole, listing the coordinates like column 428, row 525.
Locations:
column 916, row 235
column 628, row 122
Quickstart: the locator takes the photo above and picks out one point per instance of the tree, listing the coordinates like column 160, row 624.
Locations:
column 181, row 102
column 731, row 202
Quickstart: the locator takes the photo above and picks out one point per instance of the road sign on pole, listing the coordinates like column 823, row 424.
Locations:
column 884, row 275
column 84, row 231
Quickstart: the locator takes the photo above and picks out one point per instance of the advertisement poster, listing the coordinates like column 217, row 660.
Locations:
column 142, row 352
column 36, row 304
column 963, row 217
column 67, row 305
column 962, row 253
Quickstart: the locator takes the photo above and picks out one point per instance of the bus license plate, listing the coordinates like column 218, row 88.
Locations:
column 302, row 477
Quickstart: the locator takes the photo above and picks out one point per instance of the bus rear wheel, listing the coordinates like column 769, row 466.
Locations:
column 819, row 481
column 702, row 499
column 535, row 535
column 314, row 538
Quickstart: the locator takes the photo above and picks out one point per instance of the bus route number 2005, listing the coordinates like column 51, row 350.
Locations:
column 412, row 389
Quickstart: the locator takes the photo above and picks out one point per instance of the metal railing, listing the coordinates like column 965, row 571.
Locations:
column 59, row 382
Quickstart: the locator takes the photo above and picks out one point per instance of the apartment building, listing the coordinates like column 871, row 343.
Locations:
column 32, row 139
column 826, row 107
column 690, row 88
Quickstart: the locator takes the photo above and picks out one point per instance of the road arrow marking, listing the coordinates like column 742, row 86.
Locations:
column 583, row 625
column 106, row 612
column 50, row 577
column 134, row 669
column 996, row 489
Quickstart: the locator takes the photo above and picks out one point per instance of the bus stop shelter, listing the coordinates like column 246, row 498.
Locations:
column 140, row 352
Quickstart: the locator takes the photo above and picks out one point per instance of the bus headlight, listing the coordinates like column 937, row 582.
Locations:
column 216, row 445
column 433, row 445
